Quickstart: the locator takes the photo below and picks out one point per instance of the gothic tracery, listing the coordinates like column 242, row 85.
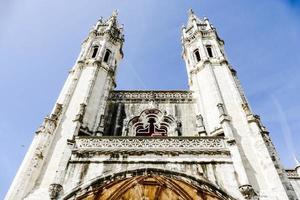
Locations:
column 152, row 122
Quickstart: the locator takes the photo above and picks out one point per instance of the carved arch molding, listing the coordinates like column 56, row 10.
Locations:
column 151, row 185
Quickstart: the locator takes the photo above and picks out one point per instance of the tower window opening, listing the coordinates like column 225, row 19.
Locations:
column 209, row 51
column 106, row 56
column 95, row 51
column 197, row 55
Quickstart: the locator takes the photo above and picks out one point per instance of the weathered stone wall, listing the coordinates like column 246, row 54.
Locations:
column 124, row 106
column 202, row 157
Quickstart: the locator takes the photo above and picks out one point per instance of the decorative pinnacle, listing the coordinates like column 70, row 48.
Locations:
column 115, row 13
column 190, row 12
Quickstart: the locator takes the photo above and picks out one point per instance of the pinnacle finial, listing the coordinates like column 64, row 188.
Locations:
column 190, row 12
column 115, row 13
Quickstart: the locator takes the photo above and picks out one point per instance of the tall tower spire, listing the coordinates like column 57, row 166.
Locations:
column 79, row 111
column 225, row 110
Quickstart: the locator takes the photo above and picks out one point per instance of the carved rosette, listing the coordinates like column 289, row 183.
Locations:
column 247, row 191
column 54, row 190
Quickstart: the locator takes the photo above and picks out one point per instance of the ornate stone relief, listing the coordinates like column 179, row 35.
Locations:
column 291, row 173
column 200, row 125
column 247, row 191
column 80, row 115
column 172, row 96
column 57, row 111
column 49, row 123
column 150, row 144
column 54, row 190
column 47, row 127
column 246, row 108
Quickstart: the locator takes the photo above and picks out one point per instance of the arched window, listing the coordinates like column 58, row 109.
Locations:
column 197, row 55
column 106, row 56
column 209, row 51
column 95, row 51
column 152, row 122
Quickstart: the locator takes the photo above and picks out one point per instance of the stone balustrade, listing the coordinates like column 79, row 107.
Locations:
column 185, row 96
column 151, row 144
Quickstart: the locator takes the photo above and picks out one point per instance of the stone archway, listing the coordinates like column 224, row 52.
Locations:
column 150, row 184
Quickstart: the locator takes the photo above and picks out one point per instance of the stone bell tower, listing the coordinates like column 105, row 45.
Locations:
column 79, row 108
column 224, row 110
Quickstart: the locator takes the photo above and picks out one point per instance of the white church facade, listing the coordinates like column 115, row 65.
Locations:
column 203, row 143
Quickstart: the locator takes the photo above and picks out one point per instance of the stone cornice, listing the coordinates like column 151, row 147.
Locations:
column 143, row 95
column 150, row 144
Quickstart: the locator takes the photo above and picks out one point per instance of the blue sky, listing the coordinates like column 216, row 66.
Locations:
column 40, row 40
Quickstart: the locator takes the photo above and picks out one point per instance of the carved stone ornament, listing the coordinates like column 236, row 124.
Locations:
column 246, row 108
column 47, row 127
column 57, row 111
column 49, row 124
column 200, row 125
column 80, row 115
column 153, row 122
column 231, row 142
column 292, row 173
column 247, row 191
column 110, row 29
column 150, row 144
column 172, row 96
column 54, row 190
column 221, row 109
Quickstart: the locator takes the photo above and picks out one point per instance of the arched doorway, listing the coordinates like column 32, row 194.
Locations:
column 151, row 184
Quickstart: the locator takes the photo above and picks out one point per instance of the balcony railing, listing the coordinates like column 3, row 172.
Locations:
column 150, row 144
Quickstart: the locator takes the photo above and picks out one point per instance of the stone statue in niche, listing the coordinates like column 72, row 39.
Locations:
column 179, row 128
column 200, row 125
